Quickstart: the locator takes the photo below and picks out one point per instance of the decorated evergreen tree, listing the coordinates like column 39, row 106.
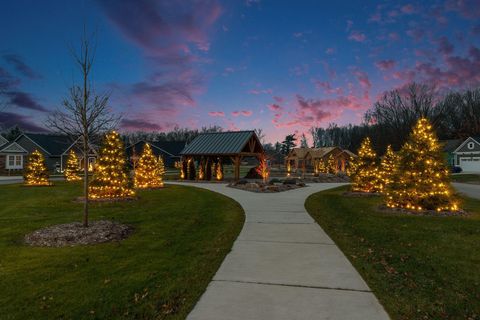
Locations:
column 201, row 170
column 219, row 170
column 366, row 175
column 161, row 168
column 320, row 166
column 420, row 181
column 387, row 168
column 331, row 166
column 147, row 173
column 110, row 177
column 71, row 171
column 262, row 168
column 36, row 173
column 183, row 170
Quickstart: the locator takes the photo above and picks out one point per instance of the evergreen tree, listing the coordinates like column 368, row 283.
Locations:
column 421, row 177
column 110, row 177
column 219, row 170
column 387, row 168
column 161, row 168
column 288, row 143
column 147, row 171
column 366, row 174
column 36, row 173
column 331, row 166
column 71, row 171
column 191, row 169
column 183, row 170
column 201, row 170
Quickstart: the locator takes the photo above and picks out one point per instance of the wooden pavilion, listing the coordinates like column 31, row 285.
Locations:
column 222, row 147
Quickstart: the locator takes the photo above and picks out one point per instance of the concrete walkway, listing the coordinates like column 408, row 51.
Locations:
column 470, row 190
column 284, row 266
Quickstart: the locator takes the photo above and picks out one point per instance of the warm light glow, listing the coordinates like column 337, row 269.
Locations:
column 263, row 169
column 71, row 171
column 219, row 171
column 110, row 178
column 387, row 168
column 149, row 170
column 365, row 172
column 420, row 179
column 36, row 173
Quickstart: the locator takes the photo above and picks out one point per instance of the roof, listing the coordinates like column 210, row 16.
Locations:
column 221, row 143
column 54, row 144
column 3, row 140
column 172, row 148
column 451, row 145
column 299, row 152
column 321, row 152
column 12, row 147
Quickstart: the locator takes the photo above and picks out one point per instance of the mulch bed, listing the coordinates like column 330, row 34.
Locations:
column 74, row 234
column 361, row 194
column 427, row 213
column 260, row 187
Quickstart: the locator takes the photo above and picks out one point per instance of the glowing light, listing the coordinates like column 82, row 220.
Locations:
column 149, row 170
column 71, row 171
column 36, row 173
column 365, row 171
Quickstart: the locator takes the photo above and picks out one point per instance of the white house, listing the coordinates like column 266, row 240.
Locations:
column 467, row 155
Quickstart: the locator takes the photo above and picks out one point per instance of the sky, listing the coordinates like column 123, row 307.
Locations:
column 283, row 66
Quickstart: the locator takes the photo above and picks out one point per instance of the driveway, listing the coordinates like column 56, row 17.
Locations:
column 470, row 190
column 284, row 266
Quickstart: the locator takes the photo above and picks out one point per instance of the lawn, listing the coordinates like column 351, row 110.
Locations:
column 418, row 267
column 466, row 178
column 181, row 236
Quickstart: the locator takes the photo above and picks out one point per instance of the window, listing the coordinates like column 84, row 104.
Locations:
column 14, row 161
column 470, row 145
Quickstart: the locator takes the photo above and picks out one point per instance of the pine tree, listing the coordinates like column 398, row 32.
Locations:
column 161, row 168
column 219, row 171
column 201, row 170
column 366, row 174
column 71, row 171
column 387, row 168
column 36, row 173
column 320, row 166
column 110, row 177
column 331, row 166
column 420, row 180
column 147, row 173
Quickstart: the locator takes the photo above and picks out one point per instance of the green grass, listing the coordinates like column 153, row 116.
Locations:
column 466, row 178
column 181, row 236
column 418, row 267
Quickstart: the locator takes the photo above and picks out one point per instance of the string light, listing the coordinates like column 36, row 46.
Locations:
column 387, row 168
column 71, row 171
column 149, row 171
column 366, row 174
column 36, row 173
column 420, row 180
column 262, row 168
column 219, row 171
column 110, row 178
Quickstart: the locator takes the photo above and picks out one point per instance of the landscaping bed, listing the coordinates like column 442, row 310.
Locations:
column 271, row 187
column 181, row 236
column 419, row 267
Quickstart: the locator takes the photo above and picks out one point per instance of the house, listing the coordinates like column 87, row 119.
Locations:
column 467, row 155
column 169, row 150
column 54, row 147
column 77, row 148
column 306, row 158
column 448, row 147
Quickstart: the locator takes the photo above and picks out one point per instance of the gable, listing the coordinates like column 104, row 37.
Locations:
column 469, row 145
column 223, row 143
column 13, row 148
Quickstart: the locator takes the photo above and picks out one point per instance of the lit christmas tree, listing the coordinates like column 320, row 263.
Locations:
column 201, row 170
column 331, row 166
column 71, row 171
column 191, row 169
column 366, row 175
column 36, row 173
column 110, row 178
column 387, row 168
column 421, row 181
column 161, row 168
column 147, row 171
column 320, row 167
column 219, row 171
column 183, row 170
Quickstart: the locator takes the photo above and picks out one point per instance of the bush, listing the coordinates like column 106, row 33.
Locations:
column 290, row 181
column 456, row 169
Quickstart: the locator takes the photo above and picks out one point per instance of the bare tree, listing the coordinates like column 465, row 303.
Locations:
column 260, row 135
column 85, row 114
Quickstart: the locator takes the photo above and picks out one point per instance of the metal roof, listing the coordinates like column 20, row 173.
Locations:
column 219, row 143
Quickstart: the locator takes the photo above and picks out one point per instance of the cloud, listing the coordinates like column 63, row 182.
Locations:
column 357, row 36
column 444, row 46
column 260, row 91
column 9, row 119
column 278, row 99
column 469, row 9
column 385, row 65
column 139, row 125
column 20, row 66
column 330, row 50
column 24, row 100
column 327, row 87
column 408, row 9
column 275, row 107
column 216, row 114
column 245, row 113
column 172, row 37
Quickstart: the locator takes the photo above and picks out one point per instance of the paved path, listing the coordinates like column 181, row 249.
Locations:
column 470, row 190
column 284, row 266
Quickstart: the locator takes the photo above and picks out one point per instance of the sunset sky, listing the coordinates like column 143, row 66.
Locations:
column 283, row 66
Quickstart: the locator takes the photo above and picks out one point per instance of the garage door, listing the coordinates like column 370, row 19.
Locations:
column 470, row 164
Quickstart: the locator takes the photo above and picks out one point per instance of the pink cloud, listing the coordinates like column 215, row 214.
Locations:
column 260, row 91
column 444, row 46
column 408, row 9
column 385, row 64
column 274, row 107
column 330, row 51
column 216, row 114
column 393, row 36
column 327, row 87
column 245, row 113
column 357, row 36
column 278, row 99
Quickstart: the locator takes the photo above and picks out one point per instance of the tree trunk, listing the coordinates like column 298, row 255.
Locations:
column 85, row 183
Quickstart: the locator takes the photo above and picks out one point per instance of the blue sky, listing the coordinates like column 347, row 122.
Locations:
column 278, row 65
